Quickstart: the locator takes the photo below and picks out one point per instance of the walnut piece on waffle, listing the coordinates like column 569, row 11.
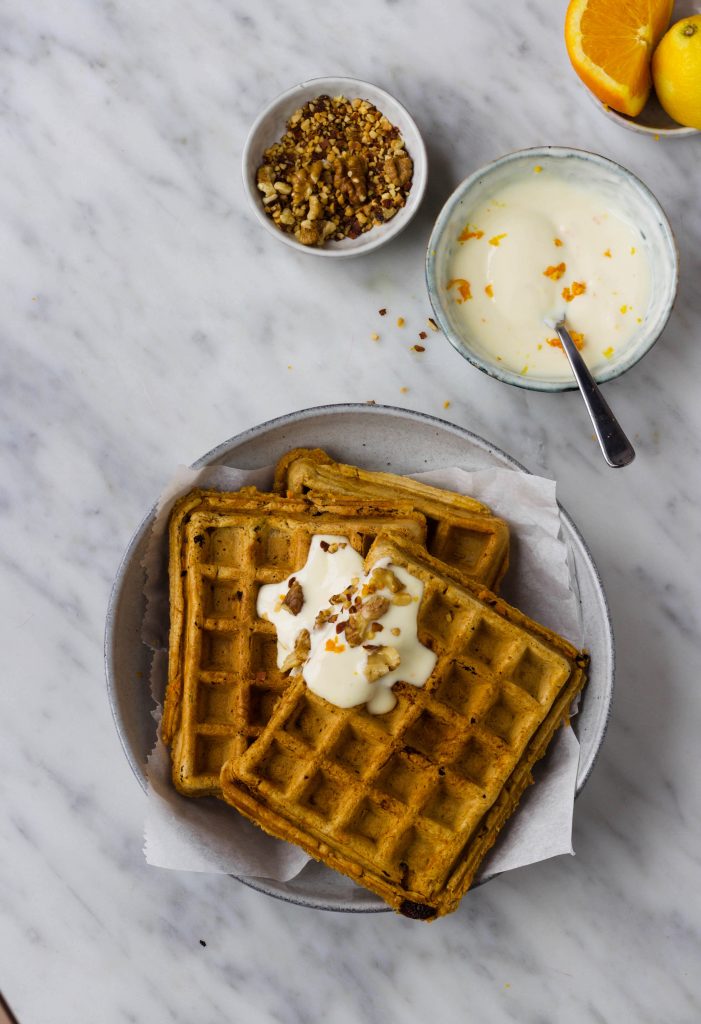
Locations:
column 462, row 532
column 223, row 678
column 408, row 803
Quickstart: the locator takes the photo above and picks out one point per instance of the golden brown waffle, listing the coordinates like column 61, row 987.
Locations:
column 223, row 676
column 409, row 803
column 461, row 531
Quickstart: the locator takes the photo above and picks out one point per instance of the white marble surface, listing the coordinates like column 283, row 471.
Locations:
column 145, row 317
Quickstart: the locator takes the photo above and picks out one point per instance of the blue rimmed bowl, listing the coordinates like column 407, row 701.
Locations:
column 628, row 194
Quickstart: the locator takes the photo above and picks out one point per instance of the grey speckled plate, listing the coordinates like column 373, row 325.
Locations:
column 377, row 437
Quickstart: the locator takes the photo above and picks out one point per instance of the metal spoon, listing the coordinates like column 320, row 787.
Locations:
column 617, row 449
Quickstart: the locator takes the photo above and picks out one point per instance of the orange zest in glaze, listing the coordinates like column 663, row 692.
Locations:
column 558, row 242
column 463, row 288
column 333, row 646
column 497, row 239
column 608, row 352
column 578, row 288
column 607, row 252
column 466, row 234
column 489, row 290
column 555, row 273
column 576, row 337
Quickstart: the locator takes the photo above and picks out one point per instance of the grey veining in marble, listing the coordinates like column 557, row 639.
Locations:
column 146, row 317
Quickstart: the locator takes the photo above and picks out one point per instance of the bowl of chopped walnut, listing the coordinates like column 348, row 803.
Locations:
column 334, row 167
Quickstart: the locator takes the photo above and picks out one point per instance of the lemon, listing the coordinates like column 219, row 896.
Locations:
column 676, row 71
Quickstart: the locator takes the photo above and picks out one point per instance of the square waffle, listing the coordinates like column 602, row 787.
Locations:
column 461, row 531
column 223, row 679
column 408, row 803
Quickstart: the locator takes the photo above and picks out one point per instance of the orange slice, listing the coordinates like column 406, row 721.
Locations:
column 610, row 45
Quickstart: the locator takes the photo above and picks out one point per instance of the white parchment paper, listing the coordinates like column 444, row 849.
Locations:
column 207, row 835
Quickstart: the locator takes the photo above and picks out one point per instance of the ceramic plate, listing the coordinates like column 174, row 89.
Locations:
column 377, row 437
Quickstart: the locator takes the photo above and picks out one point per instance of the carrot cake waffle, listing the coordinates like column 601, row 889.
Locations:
column 408, row 802
column 462, row 532
column 223, row 674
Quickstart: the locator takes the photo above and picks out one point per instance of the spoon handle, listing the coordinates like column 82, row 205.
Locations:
column 617, row 449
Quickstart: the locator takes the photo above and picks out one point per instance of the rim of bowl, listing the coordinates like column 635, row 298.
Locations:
column 682, row 131
column 678, row 131
column 461, row 346
column 401, row 219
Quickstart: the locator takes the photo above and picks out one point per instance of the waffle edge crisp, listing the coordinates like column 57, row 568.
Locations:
column 223, row 679
column 462, row 532
column 409, row 803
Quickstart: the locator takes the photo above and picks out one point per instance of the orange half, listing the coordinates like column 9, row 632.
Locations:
column 610, row 44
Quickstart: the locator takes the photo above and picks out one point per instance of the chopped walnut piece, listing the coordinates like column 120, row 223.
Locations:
column 401, row 599
column 333, row 548
column 294, row 598
column 308, row 233
column 297, row 657
column 382, row 577
column 324, row 616
column 381, row 662
column 399, row 169
column 349, row 179
column 375, row 607
column 302, row 185
column 360, row 622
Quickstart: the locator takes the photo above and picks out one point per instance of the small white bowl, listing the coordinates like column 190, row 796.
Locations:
column 631, row 195
column 270, row 126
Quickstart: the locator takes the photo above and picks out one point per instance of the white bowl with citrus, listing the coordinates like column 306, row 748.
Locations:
column 644, row 74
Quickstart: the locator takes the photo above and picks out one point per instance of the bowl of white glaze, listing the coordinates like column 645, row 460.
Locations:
column 270, row 126
column 628, row 198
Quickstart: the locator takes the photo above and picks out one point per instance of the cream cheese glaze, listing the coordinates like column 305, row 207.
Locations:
column 338, row 663
column 536, row 247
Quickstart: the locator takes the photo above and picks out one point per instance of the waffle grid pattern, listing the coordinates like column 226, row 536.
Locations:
column 227, row 682
column 460, row 531
column 398, row 797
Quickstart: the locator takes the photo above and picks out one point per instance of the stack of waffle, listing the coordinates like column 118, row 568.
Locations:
column 406, row 803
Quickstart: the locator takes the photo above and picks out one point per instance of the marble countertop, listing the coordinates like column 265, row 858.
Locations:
column 147, row 317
